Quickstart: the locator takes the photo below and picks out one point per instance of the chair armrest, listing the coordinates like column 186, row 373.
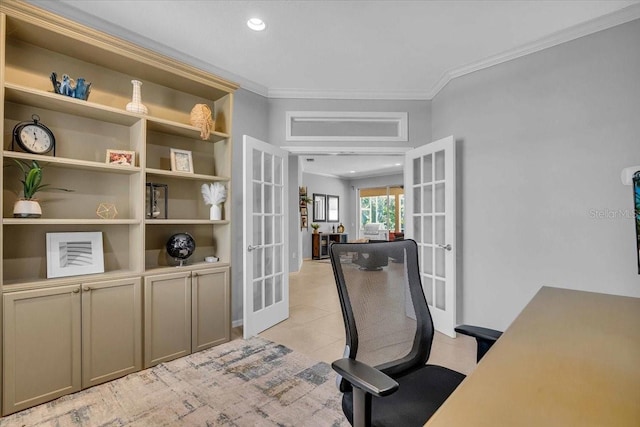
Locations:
column 365, row 377
column 479, row 333
column 484, row 337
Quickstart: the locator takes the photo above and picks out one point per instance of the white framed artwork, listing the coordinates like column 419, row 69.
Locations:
column 73, row 254
column 181, row 161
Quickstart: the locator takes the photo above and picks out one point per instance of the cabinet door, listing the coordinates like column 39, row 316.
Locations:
column 111, row 330
column 167, row 317
column 324, row 246
column 41, row 350
column 315, row 246
column 211, row 323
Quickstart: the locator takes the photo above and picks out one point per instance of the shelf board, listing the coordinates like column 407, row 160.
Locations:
column 72, row 163
column 185, row 221
column 183, row 175
column 68, row 221
column 65, row 104
column 184, row 130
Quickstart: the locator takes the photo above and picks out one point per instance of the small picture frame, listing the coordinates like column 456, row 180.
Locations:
column 121, row 157
column 73, row 254
column 181, row 161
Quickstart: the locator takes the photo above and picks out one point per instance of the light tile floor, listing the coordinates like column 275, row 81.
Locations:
column 315, row 326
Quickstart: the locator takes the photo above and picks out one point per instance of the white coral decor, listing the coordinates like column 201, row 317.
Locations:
column 214, row 194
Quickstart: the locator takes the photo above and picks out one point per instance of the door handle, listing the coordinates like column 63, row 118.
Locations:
column 446, row 247
column 253, row 247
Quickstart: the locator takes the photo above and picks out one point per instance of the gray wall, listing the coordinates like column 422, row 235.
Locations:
column 326, row 185
column 295, row 235
column 541, row 143
column 250, row 117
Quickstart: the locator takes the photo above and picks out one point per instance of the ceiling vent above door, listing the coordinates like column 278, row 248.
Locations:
column 346, row 126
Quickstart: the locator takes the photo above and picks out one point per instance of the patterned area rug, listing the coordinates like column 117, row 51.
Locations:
column 241, row 383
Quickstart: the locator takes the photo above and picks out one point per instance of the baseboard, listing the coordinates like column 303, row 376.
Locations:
column 236, row 323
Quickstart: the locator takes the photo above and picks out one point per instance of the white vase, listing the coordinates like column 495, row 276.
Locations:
column 27, row 209
column 215, row 213
column 136, row 105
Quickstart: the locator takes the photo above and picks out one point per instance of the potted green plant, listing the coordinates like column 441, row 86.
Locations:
column 315, row 228
column 28, row 206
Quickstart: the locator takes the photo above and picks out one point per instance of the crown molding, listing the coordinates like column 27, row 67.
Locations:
column 619, row 17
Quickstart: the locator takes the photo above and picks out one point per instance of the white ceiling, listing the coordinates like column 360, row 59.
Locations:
column 346, row 49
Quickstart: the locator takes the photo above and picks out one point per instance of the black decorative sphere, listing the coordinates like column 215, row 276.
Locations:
column 181, row 246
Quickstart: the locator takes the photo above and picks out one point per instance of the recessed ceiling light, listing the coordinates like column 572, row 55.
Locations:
column 398, row 164
column 352, row 171
column 256, row 24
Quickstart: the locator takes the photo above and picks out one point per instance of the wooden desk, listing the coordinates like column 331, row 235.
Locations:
column 571, row 358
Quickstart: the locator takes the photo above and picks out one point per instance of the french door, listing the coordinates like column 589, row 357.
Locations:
column 265, row 237
column 430, row 218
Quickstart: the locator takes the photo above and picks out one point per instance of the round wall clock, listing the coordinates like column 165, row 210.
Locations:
column 34, row 137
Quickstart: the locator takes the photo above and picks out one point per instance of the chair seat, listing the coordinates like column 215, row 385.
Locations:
column 419, row 396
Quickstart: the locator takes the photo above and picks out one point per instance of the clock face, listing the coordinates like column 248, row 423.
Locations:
column 35, row 139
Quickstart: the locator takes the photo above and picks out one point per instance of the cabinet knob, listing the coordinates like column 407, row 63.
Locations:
column 86, row 289
column 76, row 290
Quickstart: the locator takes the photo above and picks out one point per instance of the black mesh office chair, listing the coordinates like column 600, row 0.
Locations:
column 389, row 332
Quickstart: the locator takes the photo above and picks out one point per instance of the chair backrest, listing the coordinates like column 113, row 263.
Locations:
column 387, row 320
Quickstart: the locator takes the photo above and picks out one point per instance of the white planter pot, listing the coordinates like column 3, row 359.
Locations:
column 27, row 209
column 215, row 213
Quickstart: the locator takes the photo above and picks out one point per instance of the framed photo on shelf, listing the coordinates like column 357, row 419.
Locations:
column 72, row 254
column 121, row 157
column 181, row 161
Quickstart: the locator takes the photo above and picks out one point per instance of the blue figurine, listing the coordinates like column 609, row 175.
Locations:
column 82, row 89
column 65, row 86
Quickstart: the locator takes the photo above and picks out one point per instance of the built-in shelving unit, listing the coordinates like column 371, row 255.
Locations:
column 33, row 43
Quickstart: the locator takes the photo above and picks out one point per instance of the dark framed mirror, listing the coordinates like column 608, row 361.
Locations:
column 333, row 208
column 319, row 207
